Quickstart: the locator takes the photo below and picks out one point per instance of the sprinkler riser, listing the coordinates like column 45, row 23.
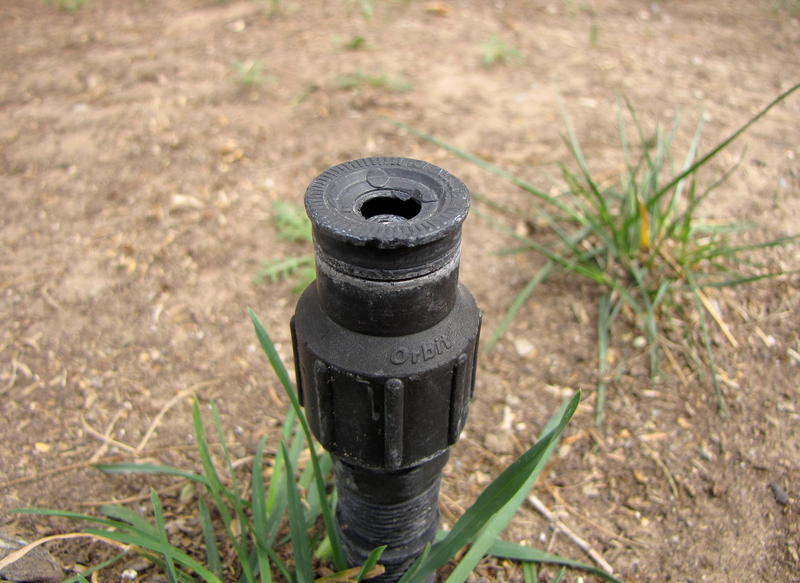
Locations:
column 385, row 345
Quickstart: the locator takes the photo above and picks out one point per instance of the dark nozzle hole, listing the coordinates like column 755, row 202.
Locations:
column 389, row 209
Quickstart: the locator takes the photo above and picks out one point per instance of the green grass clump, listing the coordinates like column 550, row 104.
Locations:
column 69, row 5
column 355, row 43
column 359, row 79
column 250, row 525
column 291, row 223
column 495, row 51
column 641, row 240
column 249, row 74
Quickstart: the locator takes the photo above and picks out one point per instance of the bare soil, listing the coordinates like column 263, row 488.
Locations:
column 137, row 176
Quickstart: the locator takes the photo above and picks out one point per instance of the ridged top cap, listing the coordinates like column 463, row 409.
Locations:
column 423, row 202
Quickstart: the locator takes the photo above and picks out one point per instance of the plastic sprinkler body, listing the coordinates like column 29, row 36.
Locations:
column 385, row 344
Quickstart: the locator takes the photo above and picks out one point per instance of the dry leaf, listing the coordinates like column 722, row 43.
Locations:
column 653, row 436
column 438, row 8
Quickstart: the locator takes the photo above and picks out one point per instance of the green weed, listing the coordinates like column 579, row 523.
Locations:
column 791, row 7
column 291, row 223
column 69, row 5
column 359, row 79
column 249, row 74
column 248, row 521
column 641, row 240
column 495, row 52
column 355, row 43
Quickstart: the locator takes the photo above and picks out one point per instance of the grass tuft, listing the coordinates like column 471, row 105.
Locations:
column 249, row 73
column 495, row 52
column 292, row 224
column 359, row 79
column 641, row 239
column 69, row 5
column 245, row 523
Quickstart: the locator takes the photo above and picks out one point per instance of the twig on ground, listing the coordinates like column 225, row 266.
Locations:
column 132, row 499
column 596, row 557
column 717, row 318
column 12, row 379
column 452, row 504
column 50, row 301
column 656, row 458
column 104, row 437
column 611, row 533
column 169, row 404
column 673, row 362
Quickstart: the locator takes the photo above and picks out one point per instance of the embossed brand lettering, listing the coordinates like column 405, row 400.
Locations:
column 426, row 351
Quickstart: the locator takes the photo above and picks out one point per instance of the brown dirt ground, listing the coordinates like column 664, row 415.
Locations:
column 137, row 178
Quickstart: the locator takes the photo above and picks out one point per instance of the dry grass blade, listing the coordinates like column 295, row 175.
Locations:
column 585, row 546
column 18, row 554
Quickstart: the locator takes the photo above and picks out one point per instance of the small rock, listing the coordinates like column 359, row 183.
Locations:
column 639, row 342
column 524, row 348
column 38, row 566
column 780, row 494
column 140, row 565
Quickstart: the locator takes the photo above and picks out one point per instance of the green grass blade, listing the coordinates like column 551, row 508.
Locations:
column 509, row 550
column 281, row 565
column 560, row 575
column 132, row 517
column 707, row 341
column 215, row 488
column 156, row 546
column 162, row 564
column 269, row 349
column 413, row 570
column 312, row 498
column 493, row 498
column 297, row 525
column 743, row 280
column 150, row 469
column 210, row 539
column 729, row 252
column 371, row 561
column 260, row 513
column 289, row 424
column 77, row 516
column 237, row 501
column 589, row 272
column 522, row 297
column 603, row 329
column 517, row 304
column 529, row 573
column 687, row 163
column 489, row 167
column 724, row 144
column 503, row 516
column 82, row 576
column 166, row 548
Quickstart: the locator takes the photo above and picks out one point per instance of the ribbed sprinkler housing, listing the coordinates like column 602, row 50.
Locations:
column 385, row 344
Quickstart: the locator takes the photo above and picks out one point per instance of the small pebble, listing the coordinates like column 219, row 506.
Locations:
column 780, row 494
column 524, row 347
